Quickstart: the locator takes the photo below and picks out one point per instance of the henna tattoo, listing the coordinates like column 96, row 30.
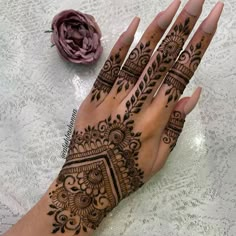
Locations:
column 174, row 42
column 101, row 169
column 102, row 163
column 146, row 86
column 182, row 71
column 165, row 58
column 134, row 66
column 107, row 77
column 173, row 129
column 192, row 57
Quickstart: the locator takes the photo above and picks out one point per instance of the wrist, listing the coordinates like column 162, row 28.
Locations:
column 38, row 221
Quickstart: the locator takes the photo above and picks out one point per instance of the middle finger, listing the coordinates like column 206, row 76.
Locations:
column 163, row 59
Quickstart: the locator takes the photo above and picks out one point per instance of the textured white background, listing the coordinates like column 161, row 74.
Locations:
column 194, row 195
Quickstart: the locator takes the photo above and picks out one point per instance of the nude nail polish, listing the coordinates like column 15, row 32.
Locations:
column 194, row 7
column 210, row 23
column 133, row 25
column 193, row 100
column 165, row 18
column 128, row 35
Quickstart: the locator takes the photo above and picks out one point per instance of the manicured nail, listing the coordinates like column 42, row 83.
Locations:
column 165, row 18
column 194, row 7
column 210, row 23
column 133, row 25
column 128, row 35
column 193, row 100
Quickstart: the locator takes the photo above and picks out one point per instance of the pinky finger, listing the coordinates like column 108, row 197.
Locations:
column 174, row 128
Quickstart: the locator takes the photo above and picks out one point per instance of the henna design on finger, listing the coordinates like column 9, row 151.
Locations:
column 106, row 77
column 164, row 59
column 193, row 56
column 100, row 170
column 174, row 42
column 182, row 71
column 173, row 129
column 134, row 66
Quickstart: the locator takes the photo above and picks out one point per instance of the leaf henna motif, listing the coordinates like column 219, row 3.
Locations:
column 165, row 58
column 134, row 66
column 182, row 71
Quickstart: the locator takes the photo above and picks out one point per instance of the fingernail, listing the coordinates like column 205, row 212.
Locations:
column 128, row 35
column 165, row 18
column 194, row 7
column 133, row 25
column 193, row 100
column 210, row 23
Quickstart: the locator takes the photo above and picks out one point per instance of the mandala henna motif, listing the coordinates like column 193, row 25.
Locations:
column 134, row 66
column 107, row 76
column 182, row 71
column 173, row 129
column 174, row 42
column 100, row 170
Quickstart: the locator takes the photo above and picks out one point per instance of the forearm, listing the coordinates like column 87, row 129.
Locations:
column 37, row 222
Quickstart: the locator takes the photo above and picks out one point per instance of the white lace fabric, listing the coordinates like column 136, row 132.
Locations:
column 195, row 193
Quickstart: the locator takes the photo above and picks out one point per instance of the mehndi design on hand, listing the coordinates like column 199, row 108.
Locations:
column 101, row 169
column 120, row 141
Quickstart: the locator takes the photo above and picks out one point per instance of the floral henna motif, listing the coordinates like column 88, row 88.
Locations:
column 106, row 77
column 173, row 129
column 182, row 71
column 101, row 169
column 134, row 66
column 165, row 58
column 174, row 42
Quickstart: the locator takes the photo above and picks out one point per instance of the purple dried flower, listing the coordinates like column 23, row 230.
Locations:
column 77, row 37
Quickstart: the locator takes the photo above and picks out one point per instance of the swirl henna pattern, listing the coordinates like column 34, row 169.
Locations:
column 106, row 78
column 182, row 71
column 101, row 169
column 134, row 66
column 173, row 129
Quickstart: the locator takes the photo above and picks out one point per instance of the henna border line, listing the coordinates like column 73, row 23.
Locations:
column 93, row 159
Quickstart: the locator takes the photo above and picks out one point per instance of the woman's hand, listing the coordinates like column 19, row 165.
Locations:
column 128, row 124
column 132, row 118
